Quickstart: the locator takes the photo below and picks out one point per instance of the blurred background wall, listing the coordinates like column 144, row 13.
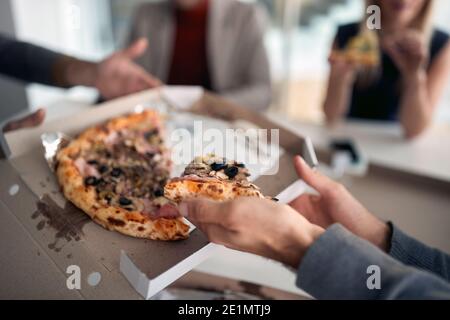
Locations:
column 298, row 39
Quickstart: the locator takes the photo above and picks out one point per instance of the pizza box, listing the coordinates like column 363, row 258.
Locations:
column 51, row 239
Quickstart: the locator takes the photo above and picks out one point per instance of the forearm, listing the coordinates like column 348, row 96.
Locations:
column 337, row 100
column 69, row 72
column 27, row 62
column 415, row 109
column 30, row 63
column 336, row 267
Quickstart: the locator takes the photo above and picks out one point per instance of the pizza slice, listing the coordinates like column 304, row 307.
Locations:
column 362, row 49
column 116, row 172
column 212, row 177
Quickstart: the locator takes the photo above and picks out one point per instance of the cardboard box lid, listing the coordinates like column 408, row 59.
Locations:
column 68, row 236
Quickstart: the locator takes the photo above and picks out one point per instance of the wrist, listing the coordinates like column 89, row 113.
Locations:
column 298, row 243
column 382, row 236
column 344, row 81
column 415, row 78
column 79, row 73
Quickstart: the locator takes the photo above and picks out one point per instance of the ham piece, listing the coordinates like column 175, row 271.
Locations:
column 85, row 169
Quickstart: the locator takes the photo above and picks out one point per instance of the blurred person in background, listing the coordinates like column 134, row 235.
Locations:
column 409, row 81
column 115, row 76
column 216, row 44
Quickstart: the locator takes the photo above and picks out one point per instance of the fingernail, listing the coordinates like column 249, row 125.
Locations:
column 302, row 161
column 183, row 208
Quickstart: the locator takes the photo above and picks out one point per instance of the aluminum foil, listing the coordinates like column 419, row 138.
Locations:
column 52, row 143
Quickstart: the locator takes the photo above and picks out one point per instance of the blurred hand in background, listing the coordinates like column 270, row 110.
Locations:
column 32, row 120
column 408, row 51
column 119, row 75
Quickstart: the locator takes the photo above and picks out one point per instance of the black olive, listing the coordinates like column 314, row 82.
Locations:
column 240, row 165
column 231, row 172
column 107, row 197
column 275, row 199
column 101, row 182
column 91, row 181
column 218, row 166
column 103, row 169
column 151, row 133
column 116, row 172
column 158, row 193
column 93, row 162
column 125, row 201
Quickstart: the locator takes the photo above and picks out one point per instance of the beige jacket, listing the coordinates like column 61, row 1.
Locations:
column 238, row 63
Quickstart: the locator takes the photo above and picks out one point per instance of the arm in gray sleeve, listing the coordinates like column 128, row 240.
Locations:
column 339, row 266
column 26, row 62
column 416, row 254
column 256, row 90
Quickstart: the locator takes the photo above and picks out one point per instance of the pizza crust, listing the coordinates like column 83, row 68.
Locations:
column 180, row 189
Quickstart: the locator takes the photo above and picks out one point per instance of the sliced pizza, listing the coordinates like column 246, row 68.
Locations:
column 116, row 172
column 362, row 49
column 212, row 177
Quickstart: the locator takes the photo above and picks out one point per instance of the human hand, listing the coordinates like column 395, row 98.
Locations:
column 119, row 75
column 342, row 69
column 116, row 76
column 335, row 204
column 254, row 225
column 29, row 121
column 408, row 51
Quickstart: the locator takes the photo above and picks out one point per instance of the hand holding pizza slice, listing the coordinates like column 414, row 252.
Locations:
column 118, row 174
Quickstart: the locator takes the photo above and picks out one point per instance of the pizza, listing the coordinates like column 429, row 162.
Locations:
column 212, row 177
column 115, row 172
column 362, row 49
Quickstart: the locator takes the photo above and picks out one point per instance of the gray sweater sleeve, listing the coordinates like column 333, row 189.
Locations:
column 26, row 62
column 339, row 266
column 415, row 254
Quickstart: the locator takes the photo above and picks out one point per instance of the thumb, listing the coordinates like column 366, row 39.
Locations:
column 29, row 121
column 313, row 178
column 136, row 49
column 202, row 211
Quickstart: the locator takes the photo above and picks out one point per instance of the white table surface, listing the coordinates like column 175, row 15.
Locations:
column 384, row 145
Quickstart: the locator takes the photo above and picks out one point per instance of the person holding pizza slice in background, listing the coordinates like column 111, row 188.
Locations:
column 397, row 73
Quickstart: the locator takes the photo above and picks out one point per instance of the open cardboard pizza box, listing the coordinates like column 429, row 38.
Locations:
column 58, row 236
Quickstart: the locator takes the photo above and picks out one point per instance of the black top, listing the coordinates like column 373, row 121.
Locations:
column 380, row 100
column 25, row 61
